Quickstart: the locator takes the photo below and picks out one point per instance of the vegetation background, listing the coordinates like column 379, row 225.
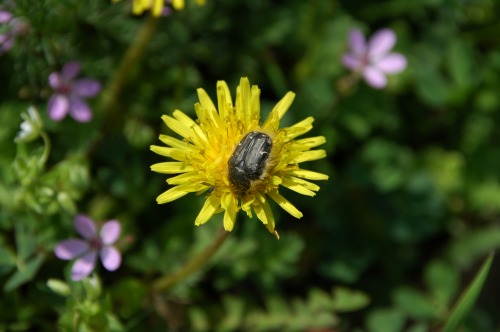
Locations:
column 390, row 241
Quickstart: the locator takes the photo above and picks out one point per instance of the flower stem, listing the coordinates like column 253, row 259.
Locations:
column 136, row 50
column 46, row 149
column 110, row 103
column 167, row 281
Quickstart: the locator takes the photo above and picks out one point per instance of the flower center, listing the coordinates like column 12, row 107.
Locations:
column 96, row 244
column 65, row 89
column 365, row 60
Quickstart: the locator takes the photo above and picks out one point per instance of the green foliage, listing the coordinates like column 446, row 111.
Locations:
column 387, row 244
column 468, row 298
column 320, row 310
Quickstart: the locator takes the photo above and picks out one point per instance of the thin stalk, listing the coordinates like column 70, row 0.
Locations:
column 46, row 148
column 167, row 281
column 129, row 62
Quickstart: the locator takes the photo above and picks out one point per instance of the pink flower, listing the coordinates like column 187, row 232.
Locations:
column 12, row 27
column 372, row 59
column 70, row 93
column 85, row 251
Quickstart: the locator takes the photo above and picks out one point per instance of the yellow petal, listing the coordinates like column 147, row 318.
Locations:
column 285, row 204
column 157, row 8
column 177, row 126
column 178, row 191
column 161, row 150
column 229, row 205
column 211, row 205
column 178, row 4
column 304, row 183
column 279, row 109
column 175, row 143
column 244, row 102
column 176, row 154
column 299, row 128
column 301, row 189
column 172, row 167
column 138, row 7
column 264, row 212
column 308, row 156
column 185, row 178
column 224, row 100
column 312, row 142
column 193, row 126
column 306, row 174
column 256, row 102
column 209, row 116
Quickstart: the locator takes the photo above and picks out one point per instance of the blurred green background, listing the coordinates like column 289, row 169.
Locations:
column 411, row 208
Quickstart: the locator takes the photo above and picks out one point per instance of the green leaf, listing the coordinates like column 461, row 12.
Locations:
column 442, row 281
column 7, row 259
column 468, row 298
column 385, row 320
column 414, row 303
column 25, row 242
column 473, row 244
column 24, row 274
column 347, row 300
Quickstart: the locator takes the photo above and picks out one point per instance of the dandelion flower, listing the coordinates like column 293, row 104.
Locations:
column 158, row 7
column 373, row 59
column 85, row 251
column 239, row 161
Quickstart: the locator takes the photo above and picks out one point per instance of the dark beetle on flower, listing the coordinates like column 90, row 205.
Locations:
column 248, row 161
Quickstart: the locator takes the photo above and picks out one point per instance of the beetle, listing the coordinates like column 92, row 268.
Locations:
column 248, row 161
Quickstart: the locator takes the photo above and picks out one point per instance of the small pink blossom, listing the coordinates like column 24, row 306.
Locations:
column 69, row 94
column 12, row 27
column 85, row 250
column 373, row 59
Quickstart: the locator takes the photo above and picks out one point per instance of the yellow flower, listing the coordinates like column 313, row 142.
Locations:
column 179, row 4
column 140, row 6
column 212, row 155
column 156, row 6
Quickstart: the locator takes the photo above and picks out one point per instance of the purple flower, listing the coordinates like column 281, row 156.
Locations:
column 70, row 93
column 372, row 59
column 12, row 27
column 85, row 251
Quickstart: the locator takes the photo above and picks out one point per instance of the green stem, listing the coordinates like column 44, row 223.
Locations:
column 167, row 281
column 135, row 52
column 113, row 91
column 46, row 149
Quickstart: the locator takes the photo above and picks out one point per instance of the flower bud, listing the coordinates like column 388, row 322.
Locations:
column 30, row 127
